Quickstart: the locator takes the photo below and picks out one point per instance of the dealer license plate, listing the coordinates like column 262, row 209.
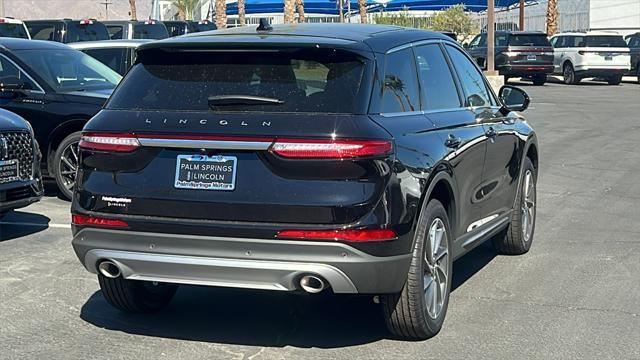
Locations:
column 8, row 171
column 531, row 58
column 206, row 172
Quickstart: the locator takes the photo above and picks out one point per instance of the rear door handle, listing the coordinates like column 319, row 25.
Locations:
column 452, row 141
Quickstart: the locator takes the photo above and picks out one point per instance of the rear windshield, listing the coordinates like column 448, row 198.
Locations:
column 150, row 31
column 634, row 41
column 176, row 28
column 13, row 30
column 88, row 32
column 325, row 81
column 204, row 26
column 529, row 40
column 606, row 41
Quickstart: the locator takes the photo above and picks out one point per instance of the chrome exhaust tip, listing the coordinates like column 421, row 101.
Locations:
column 109, row 269
column 312, row 284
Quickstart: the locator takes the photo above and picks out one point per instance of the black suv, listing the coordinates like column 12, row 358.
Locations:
column 67, row 30
column 525, row 54
column 56, row 89
column 20, row 179
column 358, row 158
column 132, row 29
column 634, row 46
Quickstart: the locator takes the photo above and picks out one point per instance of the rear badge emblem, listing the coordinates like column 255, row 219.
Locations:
column 116, row 201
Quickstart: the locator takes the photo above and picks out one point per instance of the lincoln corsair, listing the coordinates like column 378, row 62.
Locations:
column 355, row 159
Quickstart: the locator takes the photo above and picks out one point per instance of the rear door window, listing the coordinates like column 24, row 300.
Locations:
column 529, row 40
column 438, row 89
column 113, row 58
column 13, row 30
column 9, row 70
column 400, row 92
column 324, row 81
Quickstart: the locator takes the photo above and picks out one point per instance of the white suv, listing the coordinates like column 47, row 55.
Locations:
column 10, row 27
column 602, row 55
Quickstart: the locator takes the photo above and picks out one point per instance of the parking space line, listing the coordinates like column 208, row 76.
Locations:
column 56, row 226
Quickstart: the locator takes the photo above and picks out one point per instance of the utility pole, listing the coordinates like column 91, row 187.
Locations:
column 106, row 4
column 491, row 27
column 521, row 24
column 341, row 4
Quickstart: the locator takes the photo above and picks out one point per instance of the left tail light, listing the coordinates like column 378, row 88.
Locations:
column 347, row 235
column 109, row 142
column 84, row 220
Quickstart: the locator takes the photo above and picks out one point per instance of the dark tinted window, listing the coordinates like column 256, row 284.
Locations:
column 605, row 41
column 92, row 31
column 115, row 31
column 472, row 81
column 305, row 81
column 113, row 58
column 438, row 90
column 576, row 41
column 150, row 31
column 501, row 39
column 176, row 28
column 13, row 30
column 634, row 41
column 475, row 42
column 400, row 93
column 528, row 40
column 42, row 31
column 205, row 26
column 9, row 70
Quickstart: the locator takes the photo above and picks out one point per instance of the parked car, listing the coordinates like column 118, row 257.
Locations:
column 593, row 54
column 177, row 28
column 67, row 30
column 246, row 169
column 526, row 54
column 634, row 46
column 203, row 25
column 132, row 29
column 10, row 27
column 56, row 89
column 20, row 179
column 119, row 55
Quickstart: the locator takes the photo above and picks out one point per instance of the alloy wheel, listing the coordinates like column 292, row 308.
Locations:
column 436, row 271
column 69, row 165
column 528, row 205
column 568, row 74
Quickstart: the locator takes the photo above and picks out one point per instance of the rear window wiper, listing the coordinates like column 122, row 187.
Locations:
column 232, row 100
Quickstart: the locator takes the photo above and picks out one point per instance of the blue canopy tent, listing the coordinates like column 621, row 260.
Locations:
column 330, row 7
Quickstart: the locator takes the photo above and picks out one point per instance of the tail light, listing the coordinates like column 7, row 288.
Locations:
column 357, row 235
column 86, row 22
column 97, row 221
column 109, row 142
column 330, row 149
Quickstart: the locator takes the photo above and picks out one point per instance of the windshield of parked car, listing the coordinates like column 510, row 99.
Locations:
column 634, row 41
column 69, row 70
column 81, row 31
column 606, row 41
column 13, row 30
column 529, row 40
column 325, row 81
column 150, row 31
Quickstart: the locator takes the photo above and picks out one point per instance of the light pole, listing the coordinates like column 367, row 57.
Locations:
column 521, row 17
column 490, row 38
column 106, row 9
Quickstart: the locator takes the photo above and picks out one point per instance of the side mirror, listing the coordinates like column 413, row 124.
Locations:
column 11, row 84
column 513, row 98
column 465, row 45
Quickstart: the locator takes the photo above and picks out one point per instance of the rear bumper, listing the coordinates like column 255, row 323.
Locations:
column 17, row 195
column 586, row 70
column 239, row 262
column 525, row 70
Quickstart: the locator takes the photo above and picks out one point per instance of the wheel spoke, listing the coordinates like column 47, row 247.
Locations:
column 428, row 281
column 74, row 151
column 68, row 163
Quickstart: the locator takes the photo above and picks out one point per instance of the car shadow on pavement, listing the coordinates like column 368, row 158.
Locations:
column 263, row 318
column 19, row 223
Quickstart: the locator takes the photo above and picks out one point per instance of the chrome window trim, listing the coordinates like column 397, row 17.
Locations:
column 413, row 44
column 41, row 91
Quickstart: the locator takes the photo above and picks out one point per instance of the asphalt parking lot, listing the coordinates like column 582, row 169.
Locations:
column 575, row 295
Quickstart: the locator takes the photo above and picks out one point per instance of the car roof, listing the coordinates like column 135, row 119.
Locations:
column 104, row 44
column 379, row 38
column 520, row 32
column 589, row 33
column 10, row 20
column 27, row 44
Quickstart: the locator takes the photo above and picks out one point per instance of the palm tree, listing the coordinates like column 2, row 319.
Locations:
column 362, row 5
column 132, row 9
column 221, row 14
column 300, row 8
column 241, row 12
column 552, row 17
column 185, row 8
column 289, row 11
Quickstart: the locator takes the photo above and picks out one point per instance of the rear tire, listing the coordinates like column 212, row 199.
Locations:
column 539, row 80
column 638, row 72
column 135, row 296
column 517, row 238
column 418, row 311
column 65, row 164
column 614, row 80
column 569, row 75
